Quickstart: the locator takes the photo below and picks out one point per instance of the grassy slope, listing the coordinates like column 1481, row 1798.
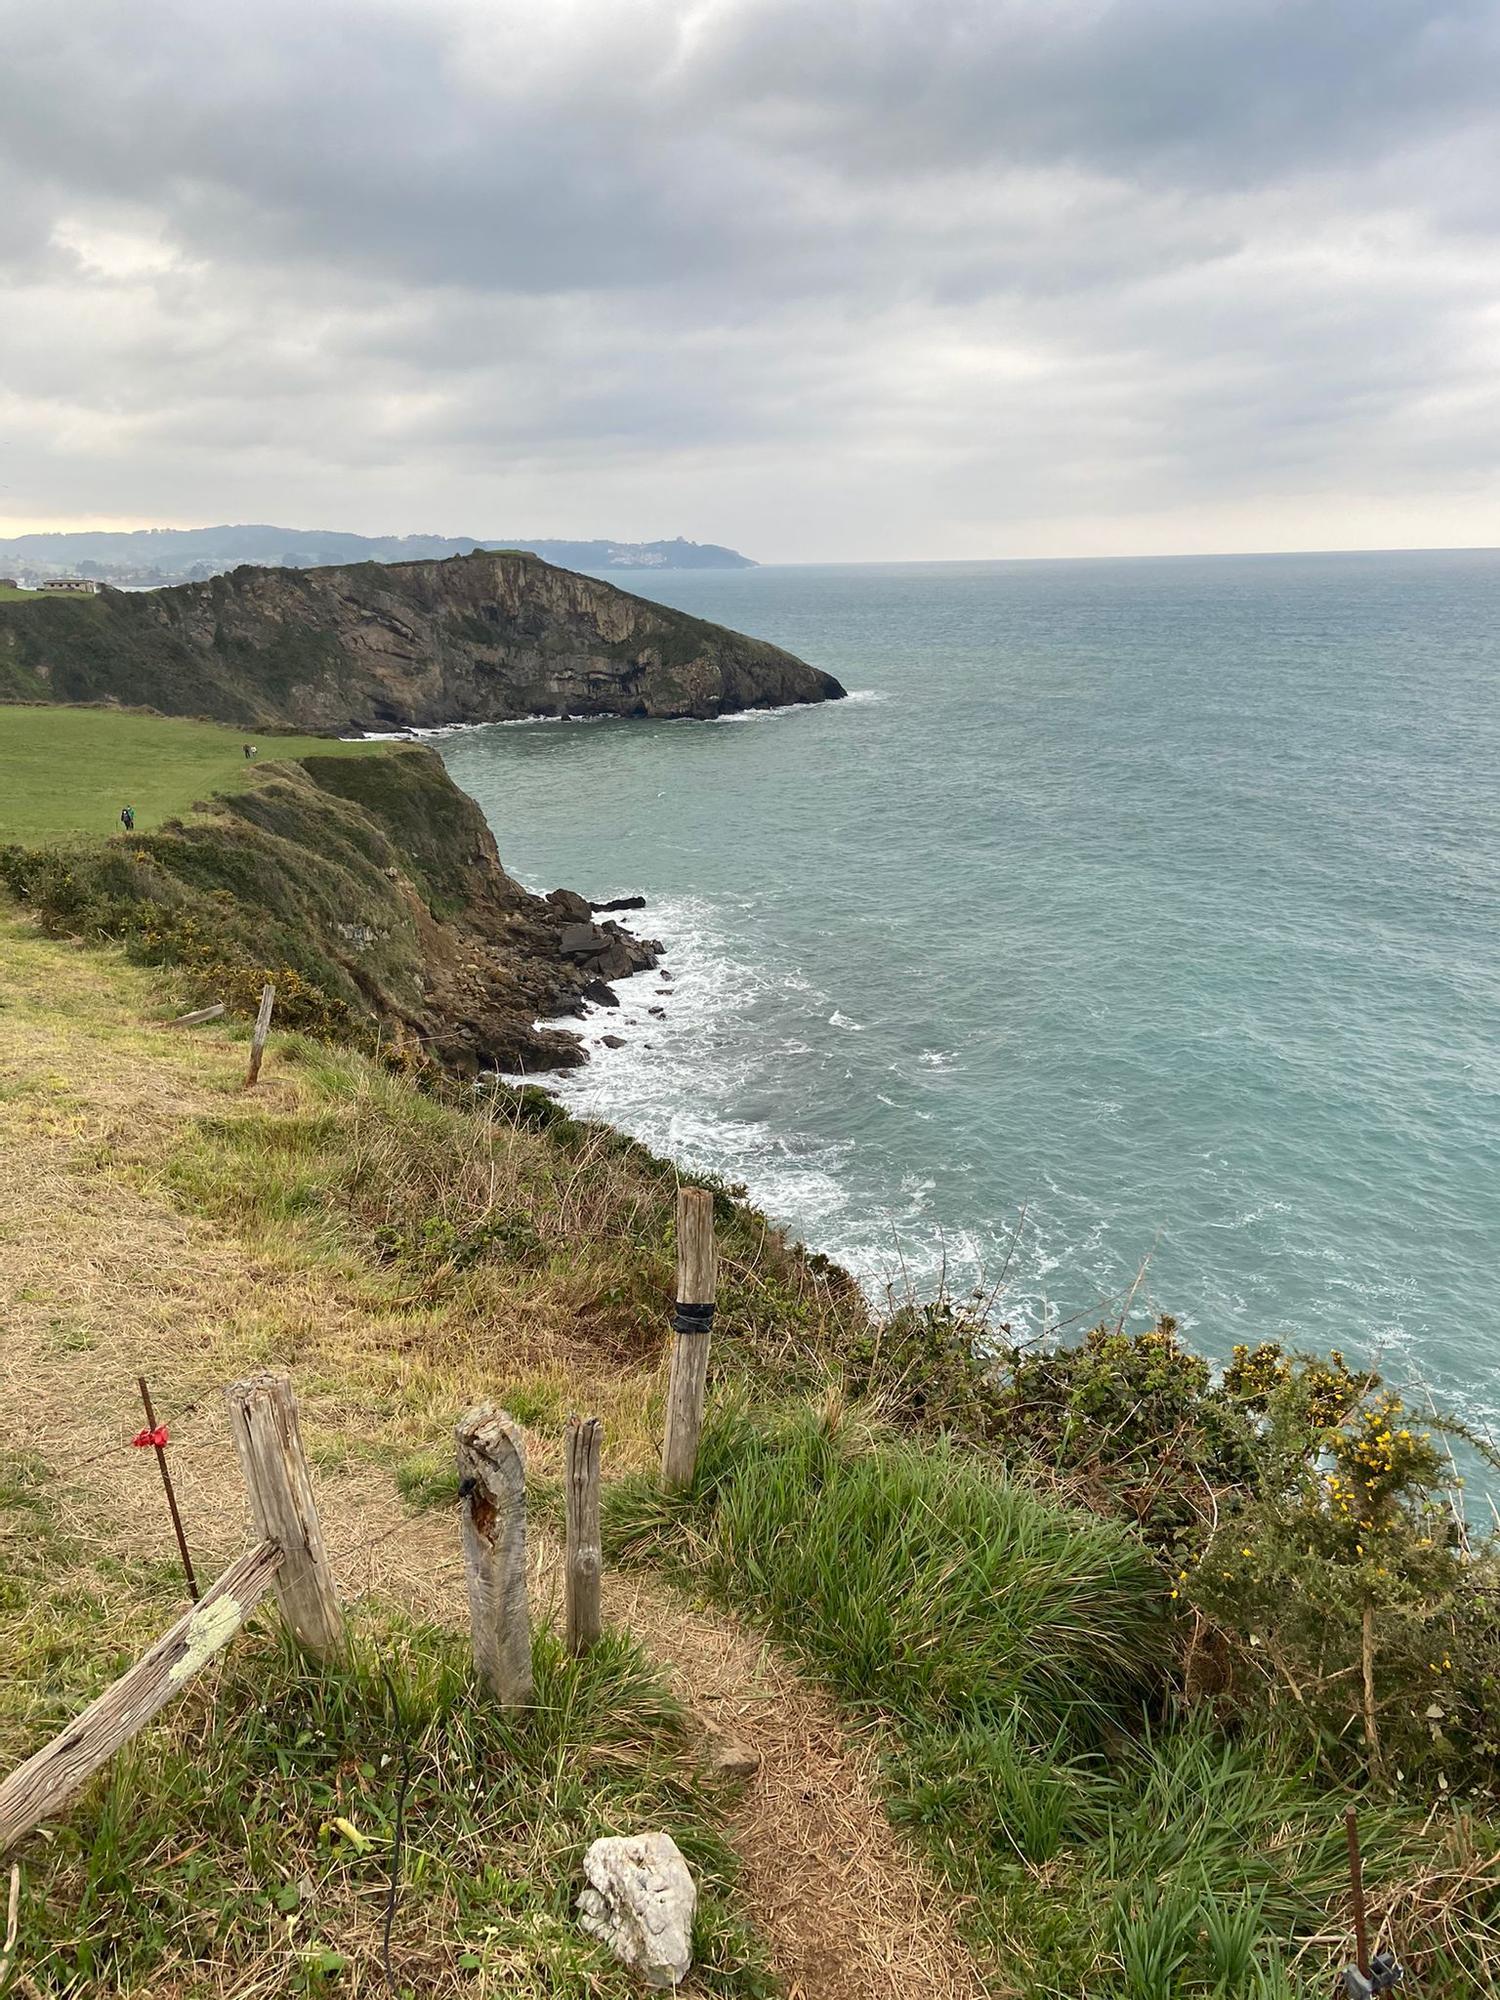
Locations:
column 68, row 771
column 203, row 1862
column 10, row 595
column 402, row 1258
column 352, row 876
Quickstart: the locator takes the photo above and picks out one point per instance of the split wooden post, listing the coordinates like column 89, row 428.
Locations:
column 492, row 1527
column 584, row 1567
column 44, row 1782
column 263, row 1420
column 262, row 1029
column 697, row 1289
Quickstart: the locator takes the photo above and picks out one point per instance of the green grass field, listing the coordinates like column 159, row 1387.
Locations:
column 10, row 595
column 68, row 771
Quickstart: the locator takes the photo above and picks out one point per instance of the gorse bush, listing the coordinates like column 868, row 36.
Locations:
column 1305, row 1519
column 1344, row 1598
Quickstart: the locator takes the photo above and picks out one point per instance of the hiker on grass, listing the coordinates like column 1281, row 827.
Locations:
column 127, row 818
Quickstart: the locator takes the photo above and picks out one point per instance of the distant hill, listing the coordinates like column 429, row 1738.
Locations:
column 476, row 638
column 192, row 555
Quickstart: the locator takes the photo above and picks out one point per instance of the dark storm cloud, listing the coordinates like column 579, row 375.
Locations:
column 874, row 278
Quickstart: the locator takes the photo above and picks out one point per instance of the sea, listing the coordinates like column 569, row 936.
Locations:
column 1128, row 939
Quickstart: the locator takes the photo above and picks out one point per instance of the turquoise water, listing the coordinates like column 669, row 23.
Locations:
column 1153, row 907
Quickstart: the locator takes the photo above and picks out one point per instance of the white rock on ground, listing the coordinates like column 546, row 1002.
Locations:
column 640, row 1903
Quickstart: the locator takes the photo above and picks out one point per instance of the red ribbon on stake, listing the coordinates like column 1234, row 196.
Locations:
column 155, row 1436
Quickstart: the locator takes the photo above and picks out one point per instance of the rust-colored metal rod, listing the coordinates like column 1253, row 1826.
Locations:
column 1357, row 1894
column 166, row 1480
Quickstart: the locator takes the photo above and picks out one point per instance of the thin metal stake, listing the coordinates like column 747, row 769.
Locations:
column 166, row 1480
column 1357, row 1894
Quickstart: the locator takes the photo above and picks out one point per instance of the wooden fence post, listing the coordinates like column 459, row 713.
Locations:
column 263, row 1420
column 37, row 1788
column 262, row 1029
column 584, row 1568
column 492, row 1526
column 697, row 1289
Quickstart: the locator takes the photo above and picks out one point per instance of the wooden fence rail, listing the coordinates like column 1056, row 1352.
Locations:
column 34, row 1791
column 290, row 1558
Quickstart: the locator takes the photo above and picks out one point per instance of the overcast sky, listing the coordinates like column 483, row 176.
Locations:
column 820, row 278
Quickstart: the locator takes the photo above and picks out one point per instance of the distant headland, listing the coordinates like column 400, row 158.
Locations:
column 144, row 557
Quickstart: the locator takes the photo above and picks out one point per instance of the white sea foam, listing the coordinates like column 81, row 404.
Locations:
column 678, row 1082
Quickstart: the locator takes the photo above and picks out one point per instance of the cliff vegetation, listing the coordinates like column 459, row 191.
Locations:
column 358, row 878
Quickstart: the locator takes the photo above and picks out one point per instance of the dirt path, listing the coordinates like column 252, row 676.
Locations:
column 105, row 1276
column 847, row 1910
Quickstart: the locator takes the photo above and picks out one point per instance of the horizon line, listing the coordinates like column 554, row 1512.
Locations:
column 799, row 562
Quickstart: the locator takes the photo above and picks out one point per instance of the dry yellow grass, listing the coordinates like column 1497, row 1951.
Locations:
column 111, row 1272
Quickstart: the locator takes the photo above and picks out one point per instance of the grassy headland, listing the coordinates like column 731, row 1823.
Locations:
column 68, row 771
column 1125, row 1636
column 354, row 875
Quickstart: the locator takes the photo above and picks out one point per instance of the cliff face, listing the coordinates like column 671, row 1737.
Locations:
column 481, row 638
column 370, row 890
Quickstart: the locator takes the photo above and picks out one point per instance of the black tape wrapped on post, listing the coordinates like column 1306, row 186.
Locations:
column 692, row 1319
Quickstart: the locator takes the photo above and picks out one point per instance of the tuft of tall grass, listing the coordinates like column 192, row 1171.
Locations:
column 916, row 1579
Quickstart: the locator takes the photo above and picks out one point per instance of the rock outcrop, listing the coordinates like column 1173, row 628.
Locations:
column 640, row 1903
column 482, row 638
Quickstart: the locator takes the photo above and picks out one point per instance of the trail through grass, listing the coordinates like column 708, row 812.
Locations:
column 242, row 1843
column 1011, row 1656
column 1007, row 1661
column 68, row 771
column 402, row 1259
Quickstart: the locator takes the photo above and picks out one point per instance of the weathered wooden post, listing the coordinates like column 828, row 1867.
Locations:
column 262, row 1029
column 584, row 1568
column 697, row 1289
column 492, row 1525
column 263, row 1421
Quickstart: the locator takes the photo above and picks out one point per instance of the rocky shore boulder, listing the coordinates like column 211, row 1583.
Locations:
column 605, row 951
